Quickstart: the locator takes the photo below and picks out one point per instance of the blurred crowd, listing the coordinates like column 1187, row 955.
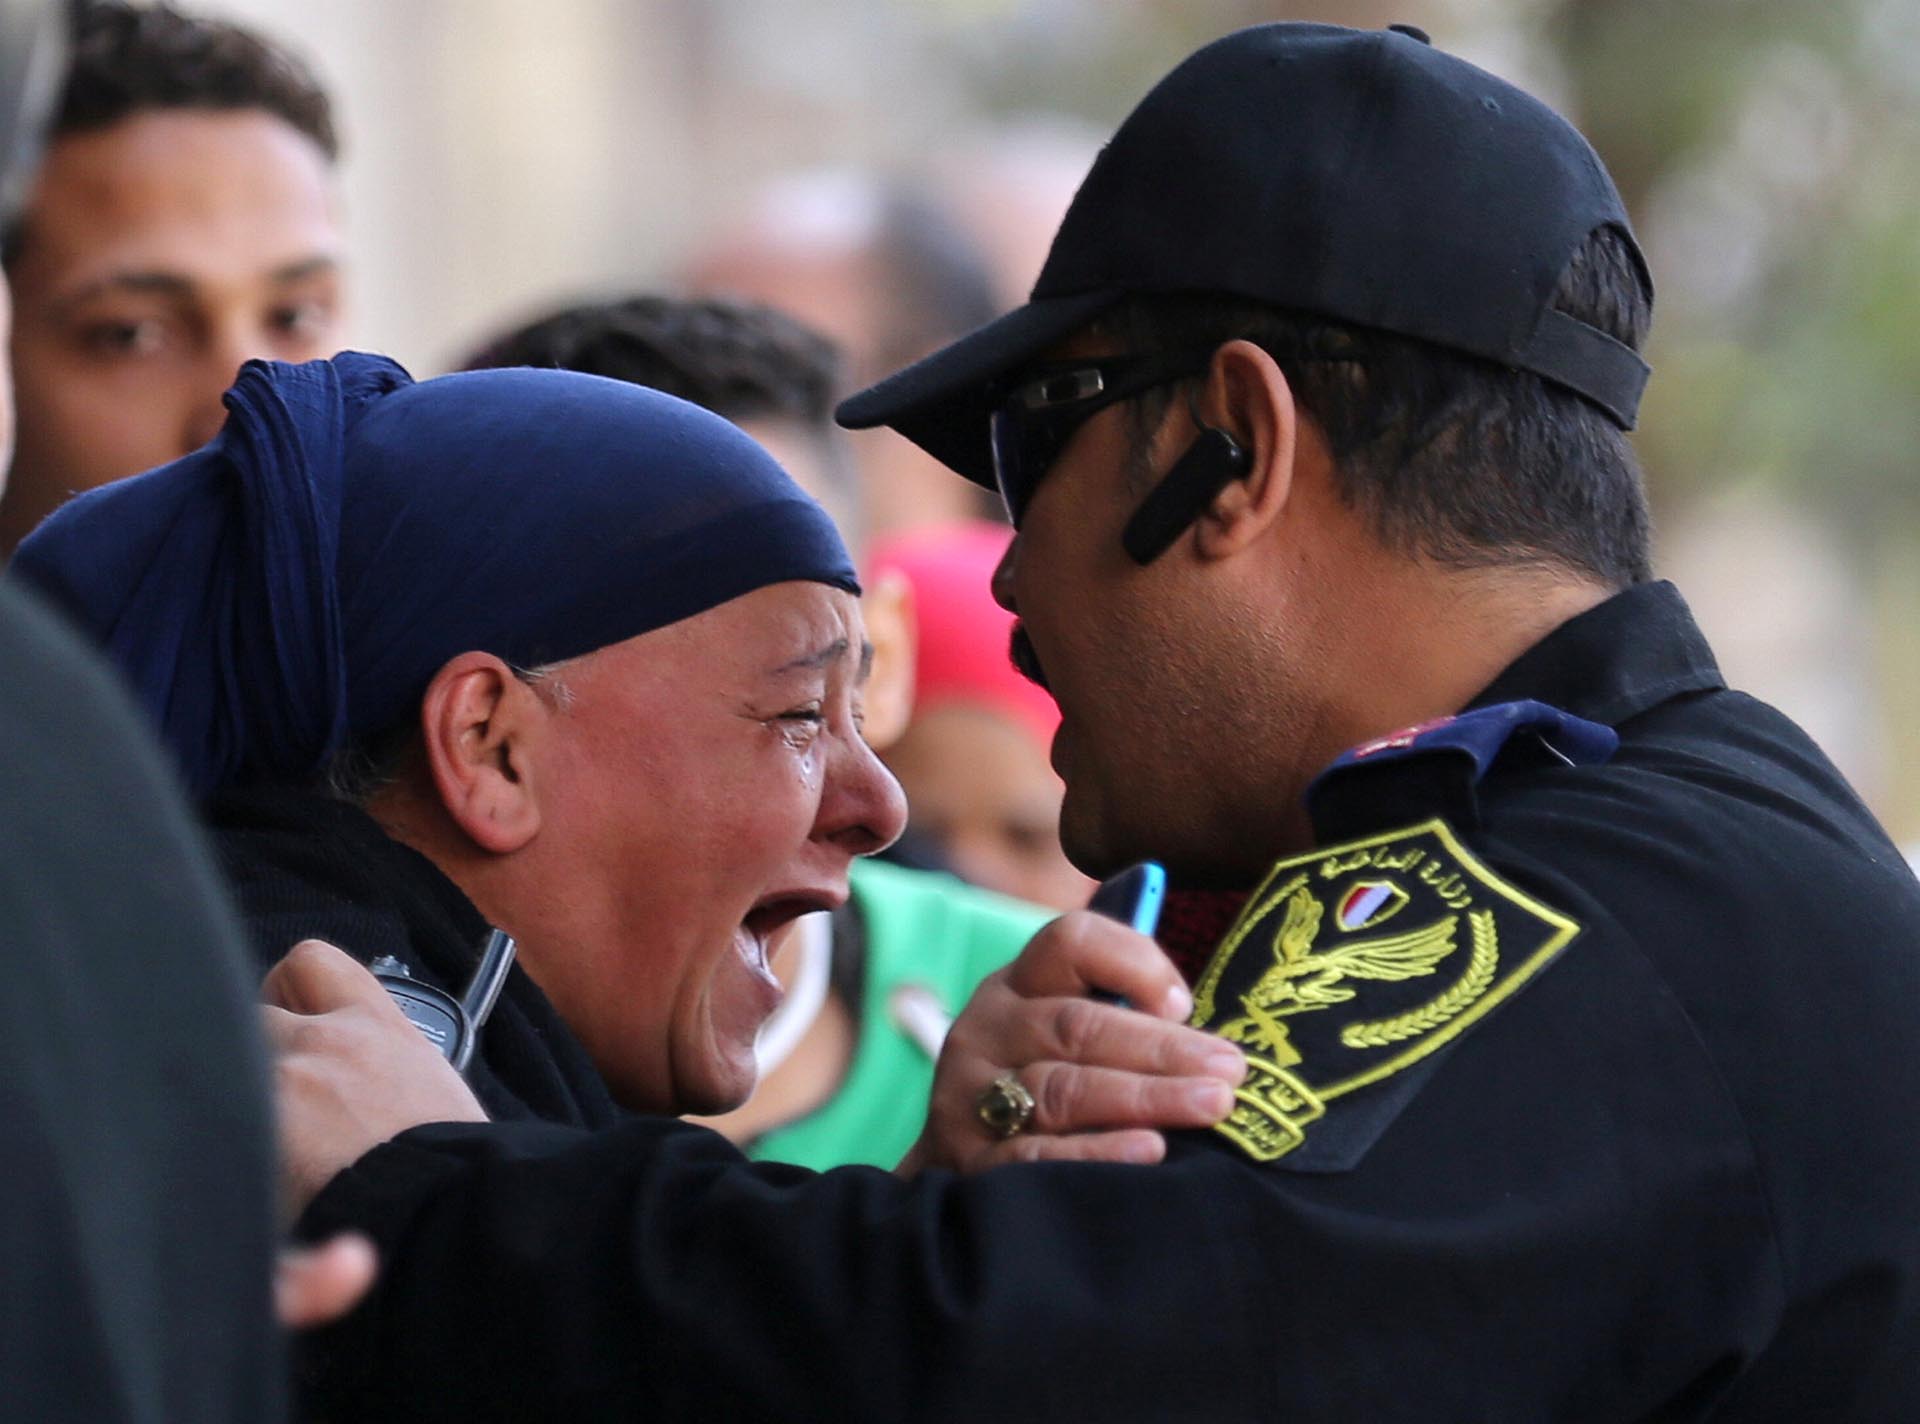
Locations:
column 1776, row 203
column 166, row 242
column 186, row 217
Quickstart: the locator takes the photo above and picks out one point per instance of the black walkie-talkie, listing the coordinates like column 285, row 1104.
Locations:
column 450, row 1025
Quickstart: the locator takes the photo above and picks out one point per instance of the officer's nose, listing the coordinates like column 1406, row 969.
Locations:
column 1003, row 577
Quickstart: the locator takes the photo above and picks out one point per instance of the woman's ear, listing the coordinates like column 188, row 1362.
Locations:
column 480, row 724
column 895, row 634
column 1248, row 397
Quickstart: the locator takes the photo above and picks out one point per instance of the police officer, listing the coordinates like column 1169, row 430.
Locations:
column 1315, row 429
column 1574, row 986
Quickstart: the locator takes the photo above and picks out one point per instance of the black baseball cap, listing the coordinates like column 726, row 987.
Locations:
column 1360, row 176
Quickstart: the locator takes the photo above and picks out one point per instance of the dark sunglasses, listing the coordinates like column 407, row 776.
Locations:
column 1035, row 418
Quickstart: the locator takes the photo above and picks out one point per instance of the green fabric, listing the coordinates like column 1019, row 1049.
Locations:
column 924, row 928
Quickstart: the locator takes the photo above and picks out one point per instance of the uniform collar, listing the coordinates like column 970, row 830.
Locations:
column 1638, row 649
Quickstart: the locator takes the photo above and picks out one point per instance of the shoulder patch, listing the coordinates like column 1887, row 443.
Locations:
column 1354, row 963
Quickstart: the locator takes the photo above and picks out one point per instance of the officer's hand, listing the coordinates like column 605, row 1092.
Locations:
column 1102, row 1077
column 349, row 1070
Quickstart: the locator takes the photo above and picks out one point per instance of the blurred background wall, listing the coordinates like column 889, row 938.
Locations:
column 505, row 154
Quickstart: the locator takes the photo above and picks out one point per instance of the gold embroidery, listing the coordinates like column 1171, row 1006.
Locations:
column 1271, row 1111
column 1486, row 958
column 1307, row 1045
column 1302, row 980
column 1262, row 904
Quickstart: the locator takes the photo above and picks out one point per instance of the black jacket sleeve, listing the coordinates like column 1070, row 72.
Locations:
column 1462, row 1271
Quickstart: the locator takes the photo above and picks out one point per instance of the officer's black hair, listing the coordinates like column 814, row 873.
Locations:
column 1452, row 457
column 740, row 360
column 129, row 59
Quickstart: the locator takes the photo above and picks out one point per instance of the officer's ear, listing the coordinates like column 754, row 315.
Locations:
column 480, row 724
column 1248, row 397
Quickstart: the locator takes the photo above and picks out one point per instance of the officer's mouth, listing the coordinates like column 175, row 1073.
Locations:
column 1025, row 660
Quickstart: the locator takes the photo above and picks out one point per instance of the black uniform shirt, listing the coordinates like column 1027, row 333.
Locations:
column 1591, row 1103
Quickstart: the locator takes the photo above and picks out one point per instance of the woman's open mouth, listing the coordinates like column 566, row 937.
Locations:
column 765, row 920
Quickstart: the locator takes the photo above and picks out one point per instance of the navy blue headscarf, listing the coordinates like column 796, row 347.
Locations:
column 292, row 588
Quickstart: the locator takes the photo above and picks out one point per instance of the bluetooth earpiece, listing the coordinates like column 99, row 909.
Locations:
column 1183, row 494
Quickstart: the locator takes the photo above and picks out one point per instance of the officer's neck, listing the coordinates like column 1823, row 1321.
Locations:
column 1373, row 641
column 1434, row 637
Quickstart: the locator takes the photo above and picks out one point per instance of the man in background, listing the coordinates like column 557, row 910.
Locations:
column 883, row 270
column 185, row 219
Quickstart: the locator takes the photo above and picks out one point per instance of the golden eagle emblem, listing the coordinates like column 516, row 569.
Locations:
column 1311, row 940
column 1302, row 979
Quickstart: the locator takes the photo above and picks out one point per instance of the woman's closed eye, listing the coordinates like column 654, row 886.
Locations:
column 800, row 725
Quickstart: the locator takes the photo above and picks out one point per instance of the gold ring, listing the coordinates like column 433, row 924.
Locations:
column 1005, row 1106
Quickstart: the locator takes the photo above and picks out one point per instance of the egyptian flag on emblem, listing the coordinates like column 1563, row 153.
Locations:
column 1368, row 903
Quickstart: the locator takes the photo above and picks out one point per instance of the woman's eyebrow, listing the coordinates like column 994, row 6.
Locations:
column 832, row 653
column 819, row 658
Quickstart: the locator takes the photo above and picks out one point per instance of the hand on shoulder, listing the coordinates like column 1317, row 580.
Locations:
column 1104, row 1080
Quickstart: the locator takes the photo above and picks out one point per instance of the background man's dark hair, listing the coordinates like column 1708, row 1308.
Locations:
column 737, row 359
column 1451, row 457
column 130, row 58
column 740, row 360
